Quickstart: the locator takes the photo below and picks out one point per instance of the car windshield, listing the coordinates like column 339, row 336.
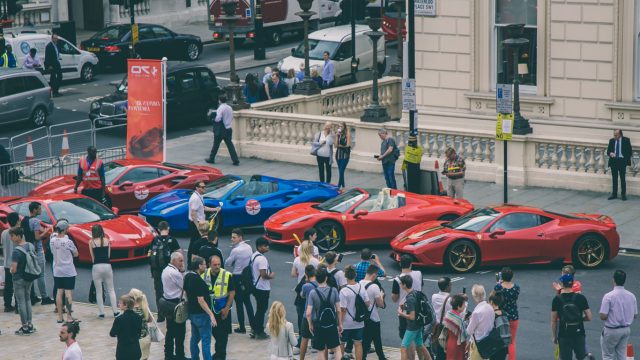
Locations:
column 317, row 48
column 342, row 203
column 80, row 211
column 112, row 170
column 221, row 187
column 474, row 221
column 112, row 33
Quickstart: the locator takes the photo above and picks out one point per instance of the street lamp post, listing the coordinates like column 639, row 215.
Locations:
column 259, row 52
column 374, row 111
column 307, row 86
column 354, row 60
column 396, row 69
column 233, row 90
column 520, row 124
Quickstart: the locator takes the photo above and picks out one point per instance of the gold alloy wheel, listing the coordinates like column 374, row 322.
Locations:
column 462, row 256
column 591, row 252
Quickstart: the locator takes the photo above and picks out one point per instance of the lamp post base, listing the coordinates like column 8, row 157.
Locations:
column 521, row 125
column 307, row 87
column 395, row 70
column 234, row 94
column 375, row 114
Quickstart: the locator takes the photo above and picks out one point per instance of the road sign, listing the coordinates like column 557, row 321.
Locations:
column 504, row 127
column 425, row 7
column 134, row 33
column 409, row 94
column 504, row 105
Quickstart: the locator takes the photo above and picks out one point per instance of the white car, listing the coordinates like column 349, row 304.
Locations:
column 337, row 41
column 76, row 63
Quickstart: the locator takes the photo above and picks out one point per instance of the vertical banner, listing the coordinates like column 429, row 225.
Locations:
column 146, row 111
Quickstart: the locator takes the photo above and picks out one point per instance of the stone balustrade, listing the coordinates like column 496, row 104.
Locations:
column 33, row 13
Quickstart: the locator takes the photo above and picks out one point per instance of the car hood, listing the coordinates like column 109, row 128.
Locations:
column 57, row 185
column 296, row 212
column 166, row 200
column 430, row 231
column 124, row 230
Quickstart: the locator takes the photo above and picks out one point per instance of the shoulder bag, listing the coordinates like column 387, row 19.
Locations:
column 181, row 312
column 155, row 334
column 315, row 146
column 438, row 327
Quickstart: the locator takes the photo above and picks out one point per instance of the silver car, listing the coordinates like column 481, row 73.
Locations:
column 24, row 96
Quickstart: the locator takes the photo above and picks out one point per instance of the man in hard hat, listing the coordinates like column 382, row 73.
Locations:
column 91, row 175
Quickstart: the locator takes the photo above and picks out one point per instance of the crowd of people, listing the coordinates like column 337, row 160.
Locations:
column 338, row 310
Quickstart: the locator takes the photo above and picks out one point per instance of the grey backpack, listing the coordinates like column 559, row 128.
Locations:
column 31, row 269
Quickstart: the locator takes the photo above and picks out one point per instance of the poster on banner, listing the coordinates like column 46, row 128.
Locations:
column 146, row 134
column 504, row 127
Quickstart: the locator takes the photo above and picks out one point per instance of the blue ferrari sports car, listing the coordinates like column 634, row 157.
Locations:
column 246, row 200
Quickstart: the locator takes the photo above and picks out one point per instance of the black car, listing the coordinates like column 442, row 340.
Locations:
column 192, row 90
column 112, row 45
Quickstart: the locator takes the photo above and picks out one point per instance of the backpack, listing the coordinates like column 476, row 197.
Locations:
column 396, row 151
column 366, row 287
column 246, row 277
column 331, row 279
column 570, row 313
column 362, row 311
column 327, row 315
column 160, row 253
column 424, row 311
column 29, row 235
column 31, row 269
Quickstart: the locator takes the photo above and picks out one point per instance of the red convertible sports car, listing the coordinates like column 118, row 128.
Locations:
column 130, row 235
column 131, row 182
column 361, row 216
column 510, row 234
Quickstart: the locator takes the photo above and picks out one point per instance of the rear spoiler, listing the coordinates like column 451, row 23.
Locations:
column 598, row 217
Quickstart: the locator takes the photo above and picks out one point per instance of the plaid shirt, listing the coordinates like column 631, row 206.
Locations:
column 361, row 270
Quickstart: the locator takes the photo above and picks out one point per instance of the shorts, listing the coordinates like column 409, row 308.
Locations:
column 352, row 334
column 325, row 338
column 64, row 283
column 412, row 336
column 304, row 329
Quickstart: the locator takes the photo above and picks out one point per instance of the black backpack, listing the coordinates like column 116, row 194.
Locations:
column 246, row 277
column 327, row 315
column 424, row 311
column 570, row 313
column 29, row 235
column 160, row 253
column 331, row 279
column 373, row 301
column 362, row 311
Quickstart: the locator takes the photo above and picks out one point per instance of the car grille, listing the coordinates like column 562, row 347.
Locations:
column 107, row 109
column 140, row 251
column 274, row 235
column 119, row 254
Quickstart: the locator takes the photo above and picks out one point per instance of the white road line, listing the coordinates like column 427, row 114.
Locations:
column 483, row 272
column 64, row 90
column 457, row 279
column 432, row 280
column 74, row 110
column 346, row 253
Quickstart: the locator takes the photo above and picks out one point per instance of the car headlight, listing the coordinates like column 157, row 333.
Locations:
column 95, row 105
column 295, row 221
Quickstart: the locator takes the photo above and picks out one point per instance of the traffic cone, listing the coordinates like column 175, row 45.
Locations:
column 65, row 145
column 29, row 156
column 440, row 186
column 629, row 352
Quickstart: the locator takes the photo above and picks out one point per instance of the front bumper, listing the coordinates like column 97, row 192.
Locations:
column 282, row 236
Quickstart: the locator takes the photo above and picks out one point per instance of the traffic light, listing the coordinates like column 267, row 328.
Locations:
column 13, row 7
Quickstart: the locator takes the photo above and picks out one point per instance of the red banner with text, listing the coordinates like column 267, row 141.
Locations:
column 146, row 109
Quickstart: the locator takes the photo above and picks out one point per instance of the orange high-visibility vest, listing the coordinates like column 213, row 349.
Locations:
column 90, row 174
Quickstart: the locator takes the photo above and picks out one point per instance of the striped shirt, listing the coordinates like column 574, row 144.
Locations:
column 342, row 152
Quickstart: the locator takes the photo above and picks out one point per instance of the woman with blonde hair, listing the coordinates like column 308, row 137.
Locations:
column 291, row 80
column 305, row 257
column 282, row 336
column 141, row 307
column 101, row 272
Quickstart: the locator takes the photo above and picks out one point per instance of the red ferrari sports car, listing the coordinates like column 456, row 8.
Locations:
column 361, row 216
column 510, row 234
column 130, row 235
column 131, row 182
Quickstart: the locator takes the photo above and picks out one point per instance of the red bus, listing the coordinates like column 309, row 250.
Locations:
column 389, row 15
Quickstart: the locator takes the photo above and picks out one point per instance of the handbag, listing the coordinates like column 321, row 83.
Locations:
column 490, row 344
column 315, row 146
column 218, row 128
column 443, row 337
column 166, row 308
column 155, row 334
column 438, row 327
column 181, row 312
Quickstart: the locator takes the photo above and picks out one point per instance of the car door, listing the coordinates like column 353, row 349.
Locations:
column 342, row 60
column 521, row 241
column 69, row 59
column 380, row 224
column 251, row 204
column 134, row 187
column 147, row 46
column 165, row 43
column 14, row 102
column 209, row 88
column 189, row 100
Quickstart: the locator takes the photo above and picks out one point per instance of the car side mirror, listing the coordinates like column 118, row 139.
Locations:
column 496, row 232
column 360, row 213
column 115, row 210
column 293, row 51
column 125, row 184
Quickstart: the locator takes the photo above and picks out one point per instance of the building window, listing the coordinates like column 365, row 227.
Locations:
column 507, row 12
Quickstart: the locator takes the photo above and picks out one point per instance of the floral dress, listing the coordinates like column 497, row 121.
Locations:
column 510, row 306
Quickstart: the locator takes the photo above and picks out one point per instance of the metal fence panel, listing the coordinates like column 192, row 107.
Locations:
column 6, row 142
column 36, row 141
column 79, row 136
column 110, row 137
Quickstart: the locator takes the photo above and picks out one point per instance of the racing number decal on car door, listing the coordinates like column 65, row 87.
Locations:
column 252, row 207
column 141, row 192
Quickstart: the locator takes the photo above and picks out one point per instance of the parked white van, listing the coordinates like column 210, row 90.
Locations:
column 76, row 63
column 337, row 41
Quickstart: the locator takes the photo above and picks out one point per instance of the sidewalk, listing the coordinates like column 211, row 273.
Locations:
column 96, row 343
column 194, row 148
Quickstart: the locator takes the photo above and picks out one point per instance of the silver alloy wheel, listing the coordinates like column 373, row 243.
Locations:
column 87, row 73
column 39, row 117
column 193, row 52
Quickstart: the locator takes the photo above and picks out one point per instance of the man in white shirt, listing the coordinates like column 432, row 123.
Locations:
column 438, row 300
column 481, row 321
column 32, row 61
column 236, row 262
column 262, row 276
column 372, row 325
column 331, row 259
column 222, row 131
column 618, row 310
column 352, row 329
column 172, row 283
column 68, row 333
column 197, row 213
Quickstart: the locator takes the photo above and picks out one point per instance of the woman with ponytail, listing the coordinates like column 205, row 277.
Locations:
column 100, row 249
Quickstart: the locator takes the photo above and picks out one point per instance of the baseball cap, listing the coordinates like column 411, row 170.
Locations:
column 566, row 280
column 62, row 225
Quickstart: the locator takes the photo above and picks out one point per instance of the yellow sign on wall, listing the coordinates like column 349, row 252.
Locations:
column 504, row 127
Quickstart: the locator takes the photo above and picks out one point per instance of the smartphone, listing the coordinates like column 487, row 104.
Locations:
column 464, row 290
column 498, row 276
column 340, row 256
column 373, row 256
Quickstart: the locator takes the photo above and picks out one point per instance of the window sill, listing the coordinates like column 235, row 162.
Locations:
column 485, row 102
column 624, row 112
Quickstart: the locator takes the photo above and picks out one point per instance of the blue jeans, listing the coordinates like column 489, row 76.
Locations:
column 389, row 174
column 200, row 330
column 342, row 166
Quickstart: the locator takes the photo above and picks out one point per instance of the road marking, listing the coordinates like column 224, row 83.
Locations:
column 288, row 262
column 627, row 254
column 483, row 272
column 457, row 279
column 58, row 107
column 64, row 90
column 74, row 110
column 91, row 98
column 346, row 253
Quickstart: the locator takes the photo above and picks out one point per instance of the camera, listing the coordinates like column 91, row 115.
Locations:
column 376, row 156
column 373, row 256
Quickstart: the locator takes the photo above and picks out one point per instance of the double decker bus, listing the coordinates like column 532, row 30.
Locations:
column 389, row 15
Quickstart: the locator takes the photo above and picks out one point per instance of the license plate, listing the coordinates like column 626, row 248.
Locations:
column 94, row 49
column 105, row 123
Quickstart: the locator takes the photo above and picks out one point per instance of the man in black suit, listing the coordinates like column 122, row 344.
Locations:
column 620, row 152
column 278, row 88
column 52, row 64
